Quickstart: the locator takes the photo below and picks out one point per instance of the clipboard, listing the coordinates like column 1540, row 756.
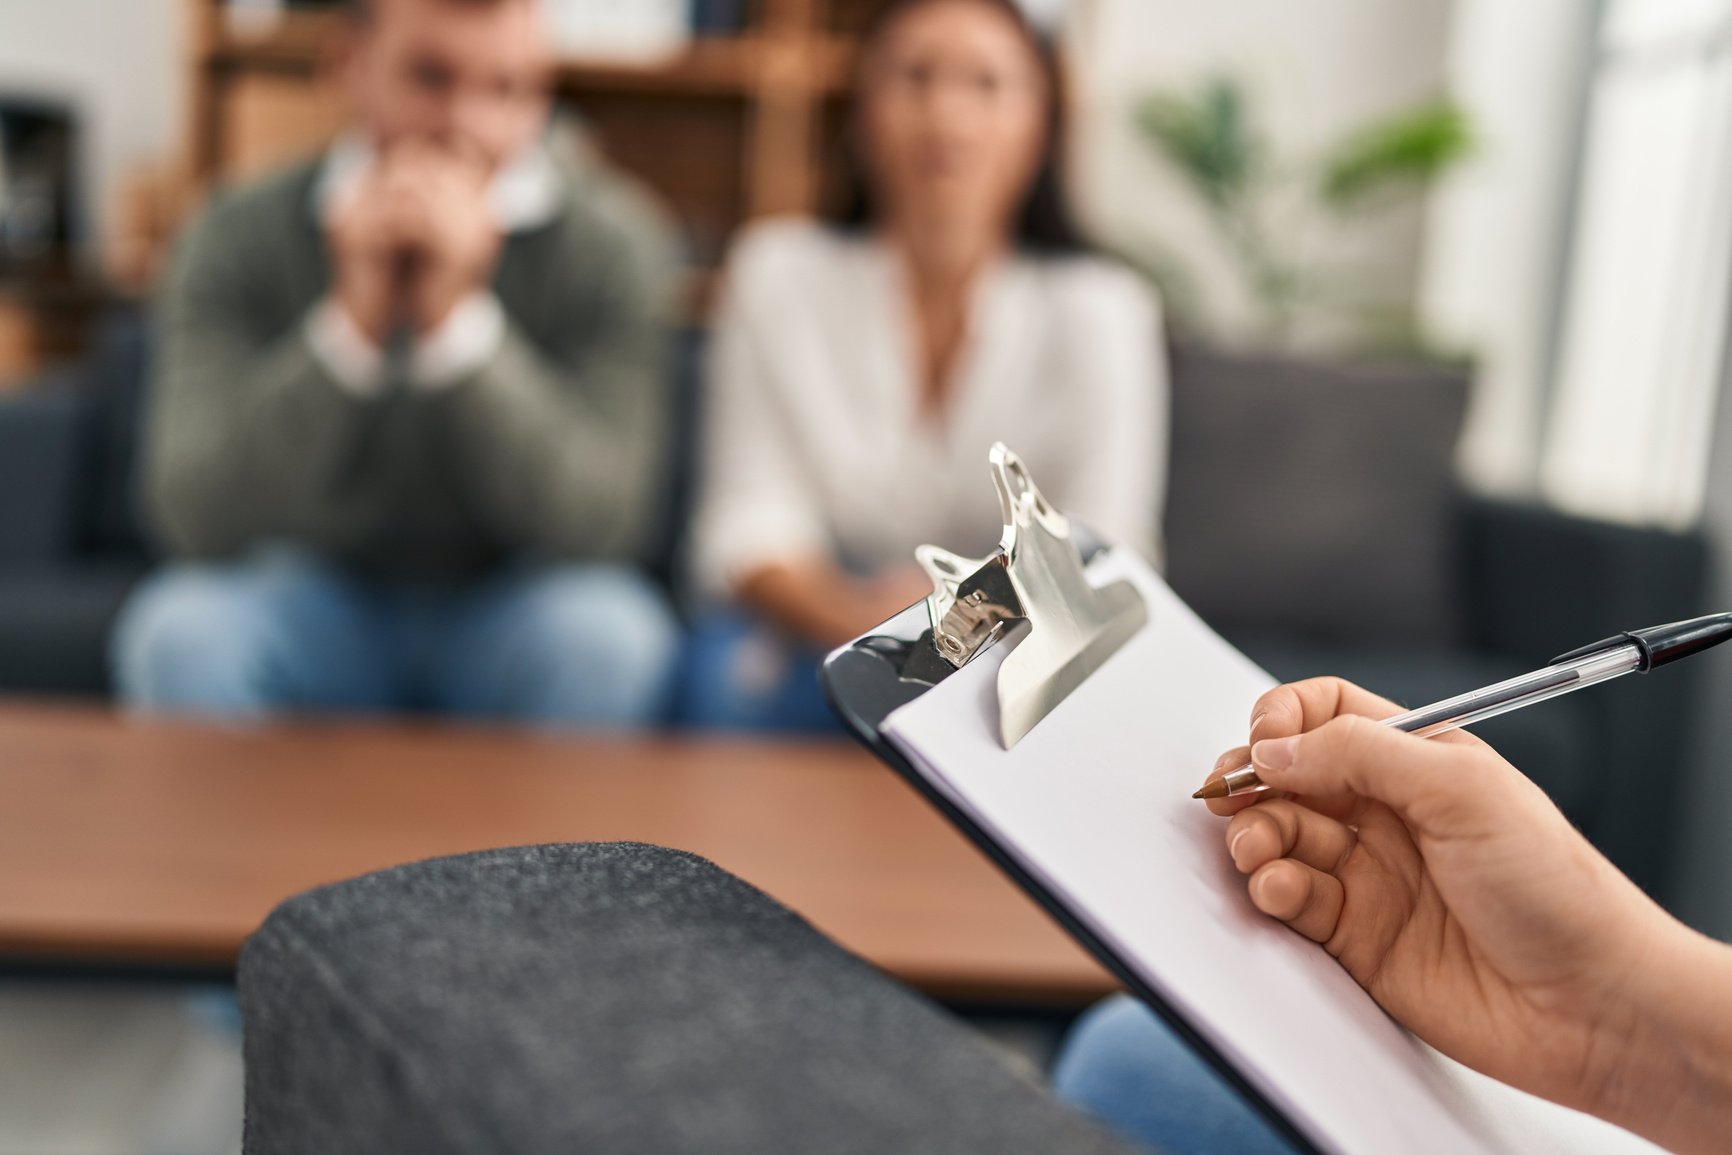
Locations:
column 976, row 604
column 1299, row 1042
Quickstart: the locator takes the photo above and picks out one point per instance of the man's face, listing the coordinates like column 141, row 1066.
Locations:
column 468, row 75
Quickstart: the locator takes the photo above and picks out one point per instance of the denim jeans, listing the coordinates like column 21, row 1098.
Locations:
column 285, row 632
column 743, row 674
column 1125, row 1067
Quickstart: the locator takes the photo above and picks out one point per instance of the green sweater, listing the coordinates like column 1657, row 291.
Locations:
column 556, row 448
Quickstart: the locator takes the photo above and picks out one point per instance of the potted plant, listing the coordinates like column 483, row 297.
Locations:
column 1312, row 493
column 1258, row 204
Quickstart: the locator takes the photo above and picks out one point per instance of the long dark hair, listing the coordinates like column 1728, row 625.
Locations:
column 1045, row 225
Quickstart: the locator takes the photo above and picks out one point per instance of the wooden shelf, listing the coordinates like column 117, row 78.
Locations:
column 46, row 315
column 708, row 67
column 300, row 43
column 735, row 66
column 729, row 128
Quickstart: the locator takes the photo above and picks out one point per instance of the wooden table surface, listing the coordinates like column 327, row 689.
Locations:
column 128, row 841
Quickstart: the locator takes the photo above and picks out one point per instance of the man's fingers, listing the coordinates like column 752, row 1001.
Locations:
column 1307, row 900
column 1284, row 829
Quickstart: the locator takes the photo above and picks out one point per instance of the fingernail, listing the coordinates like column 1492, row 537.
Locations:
column 1233, row 845
column 1260, row 891
column 1275, row 753
column 1222, row 762
column 1257, row 718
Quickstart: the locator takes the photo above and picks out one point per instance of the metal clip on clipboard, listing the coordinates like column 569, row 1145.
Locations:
column 1035, row 576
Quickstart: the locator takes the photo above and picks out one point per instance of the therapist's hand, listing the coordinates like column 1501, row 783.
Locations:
column 1451, row 889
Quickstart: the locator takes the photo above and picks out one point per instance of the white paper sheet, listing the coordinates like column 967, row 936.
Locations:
column 1095, row 802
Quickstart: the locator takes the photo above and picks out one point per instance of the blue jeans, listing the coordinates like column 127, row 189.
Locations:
column 284, row 632
column 742, row 674
column 1124, row 1066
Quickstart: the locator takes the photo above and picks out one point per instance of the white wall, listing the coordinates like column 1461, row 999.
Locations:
column 1645, row 325
column 1317, row 69
column 1496, row 231
column 119, row 62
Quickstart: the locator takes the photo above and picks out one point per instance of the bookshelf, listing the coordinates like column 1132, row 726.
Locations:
column 731, row 128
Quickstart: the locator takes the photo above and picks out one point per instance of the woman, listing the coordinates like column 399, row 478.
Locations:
column 862, row 367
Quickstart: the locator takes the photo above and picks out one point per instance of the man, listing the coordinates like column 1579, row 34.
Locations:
column 408, row 415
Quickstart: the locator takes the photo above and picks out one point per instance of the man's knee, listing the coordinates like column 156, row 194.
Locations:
column 244, row 639
column 608, row 618
column 190, row 637
column 603, row 642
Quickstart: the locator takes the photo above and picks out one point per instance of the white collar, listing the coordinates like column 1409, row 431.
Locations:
column 525, row 194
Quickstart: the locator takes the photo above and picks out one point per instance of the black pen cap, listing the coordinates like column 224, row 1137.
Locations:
column 1668, row 643
column 1662, row 644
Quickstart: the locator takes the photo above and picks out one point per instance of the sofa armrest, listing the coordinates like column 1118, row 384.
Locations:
column 1540, row 582
column 604, row 997
column 39, row 437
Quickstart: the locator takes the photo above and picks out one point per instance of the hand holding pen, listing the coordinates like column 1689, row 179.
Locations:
column 1637, row 651
column 1454, row 891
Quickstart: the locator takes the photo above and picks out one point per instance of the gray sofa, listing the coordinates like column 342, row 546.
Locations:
column 1313, row 518
column 70, row 542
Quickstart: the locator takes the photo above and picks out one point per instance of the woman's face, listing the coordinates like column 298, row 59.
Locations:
column 953, row 113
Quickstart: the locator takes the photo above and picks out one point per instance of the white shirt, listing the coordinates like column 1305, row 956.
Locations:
column 814, row 440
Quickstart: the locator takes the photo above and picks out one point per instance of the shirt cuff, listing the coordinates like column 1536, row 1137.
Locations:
column 464, row 342
column 354, row 362
column 729, row 544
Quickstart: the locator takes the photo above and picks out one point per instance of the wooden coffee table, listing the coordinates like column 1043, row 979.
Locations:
column 128, row 843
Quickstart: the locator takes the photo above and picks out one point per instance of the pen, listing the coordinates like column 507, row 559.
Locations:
column 1628, row 653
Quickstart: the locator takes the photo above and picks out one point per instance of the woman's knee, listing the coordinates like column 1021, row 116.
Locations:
column 739, row 674
column 1113, row 1038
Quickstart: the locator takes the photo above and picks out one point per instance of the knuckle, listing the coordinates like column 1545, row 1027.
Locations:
column 1282, row 819
column 1301, row 896
column 1279, row 707
column 1344, row 739
column 1329, row 684
column 1356, row 729
column 1326, row 688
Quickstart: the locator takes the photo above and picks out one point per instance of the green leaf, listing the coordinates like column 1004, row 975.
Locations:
column 1411, row 148
column 1207, row 137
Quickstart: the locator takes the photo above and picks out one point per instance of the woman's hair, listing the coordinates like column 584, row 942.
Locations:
column 1044, row 225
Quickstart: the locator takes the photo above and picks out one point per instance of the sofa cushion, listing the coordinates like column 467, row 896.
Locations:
column 113, row 389
column 1314, row 498
column 38, row 473
column 55, row 624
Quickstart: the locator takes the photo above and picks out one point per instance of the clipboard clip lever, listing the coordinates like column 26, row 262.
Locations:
column 1035, row 576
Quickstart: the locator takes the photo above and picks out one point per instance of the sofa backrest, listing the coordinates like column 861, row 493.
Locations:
column 1313, row 499
column 1316, row 499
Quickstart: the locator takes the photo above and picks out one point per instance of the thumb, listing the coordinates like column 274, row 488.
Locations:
column 1441, row 787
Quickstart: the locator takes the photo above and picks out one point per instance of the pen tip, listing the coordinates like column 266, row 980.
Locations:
column 1215, row 788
